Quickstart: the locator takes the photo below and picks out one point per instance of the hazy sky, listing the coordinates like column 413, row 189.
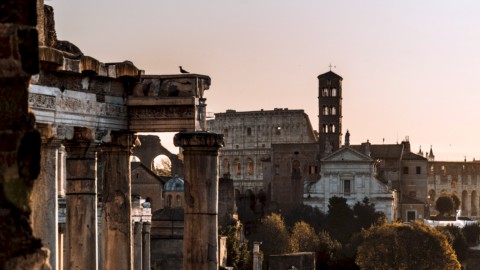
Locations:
column 409, row 68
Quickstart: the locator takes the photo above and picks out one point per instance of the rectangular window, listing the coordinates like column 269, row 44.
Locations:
column 277, row 168
column 418, row 170
column 346, row 187
column 313, row 169
column 405, row 170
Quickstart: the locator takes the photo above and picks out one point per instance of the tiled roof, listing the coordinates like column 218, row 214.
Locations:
column 329, row 74
column 412, row 156
column 409, row 200
column 169, row 214
column 381, row 150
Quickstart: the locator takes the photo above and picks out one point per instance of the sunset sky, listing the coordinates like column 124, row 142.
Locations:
column 409, row 68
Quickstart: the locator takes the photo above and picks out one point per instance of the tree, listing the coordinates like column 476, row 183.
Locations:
column 238, row 255
column 326, row 249
column 400, row 246
column 456, row 202
column 303, row 238
column 311, row 215
column 340, row 219
column 471, row 233
column 366, row 215
column 444, row 205
column 456, row 238
column 273, row 234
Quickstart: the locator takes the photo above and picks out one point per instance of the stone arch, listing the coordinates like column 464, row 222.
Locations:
column 225, row 166
column 431, row 195
column 161, row 165
column 134, row 159
column 464, row 202
column 237, row 194
column 169, row 201
column 334, row 92
column 238, row 167
column 474, row 201
column 333, row 110
column 250, row 167
column 178, row 201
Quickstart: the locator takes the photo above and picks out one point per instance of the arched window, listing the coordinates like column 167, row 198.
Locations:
column 179, row 201
column 260, row 167
column 334, row 92
column 295, row 167
column 332, row 128
column 325, row 92
column 226, row 166
column 225, row 132
column 333, row 110
column 169, row 201
column 238, row 167
column 249, row 167
column 325, row 110
column 325, row 129
column 249, row 131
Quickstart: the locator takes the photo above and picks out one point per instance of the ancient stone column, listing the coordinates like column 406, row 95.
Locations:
column 137, row 245
column 116, row 203
column 146, row 245
column 257, row 262
column 200, row 240
column 19, row 142
column 81, row 197
column 44, row 216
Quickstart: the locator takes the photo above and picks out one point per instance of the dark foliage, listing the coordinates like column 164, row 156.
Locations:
column 308, row 214
column 471, row 233
column 456, row 239
column 445, row 205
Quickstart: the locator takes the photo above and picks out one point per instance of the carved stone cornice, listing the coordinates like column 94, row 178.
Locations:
column 202, row 139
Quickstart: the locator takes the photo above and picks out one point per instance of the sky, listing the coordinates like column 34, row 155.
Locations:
column 409, row 68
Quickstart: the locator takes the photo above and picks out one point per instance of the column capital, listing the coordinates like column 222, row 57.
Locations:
column 82, row 144
column 195, row 139
column 117, row 141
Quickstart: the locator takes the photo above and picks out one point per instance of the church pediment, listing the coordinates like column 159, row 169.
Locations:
column 142, row 175
column 347, row 154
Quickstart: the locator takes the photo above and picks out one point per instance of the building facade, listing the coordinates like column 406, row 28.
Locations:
column 461, row 178
column 249, row 137
column 350, row 174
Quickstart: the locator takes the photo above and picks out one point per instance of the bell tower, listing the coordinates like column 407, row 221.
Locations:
column 330, row 112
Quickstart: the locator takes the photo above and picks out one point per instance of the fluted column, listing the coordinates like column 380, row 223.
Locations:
column 146, row 245
column 44, row 195
column 200, row 240
column 137, row 246
column 81, row 199
column 116, row 203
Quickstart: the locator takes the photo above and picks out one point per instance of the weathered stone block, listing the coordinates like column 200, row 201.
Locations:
column 18, row 12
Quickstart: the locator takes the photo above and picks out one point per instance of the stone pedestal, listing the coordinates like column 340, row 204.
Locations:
column 116, row 203
column 146, row 245
column 81, row 197
column 44, row 216
column 200, row 241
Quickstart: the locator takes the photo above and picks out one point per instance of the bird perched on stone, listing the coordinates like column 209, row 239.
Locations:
column 183, row 70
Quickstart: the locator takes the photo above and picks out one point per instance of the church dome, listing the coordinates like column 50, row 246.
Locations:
column 174, row 184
